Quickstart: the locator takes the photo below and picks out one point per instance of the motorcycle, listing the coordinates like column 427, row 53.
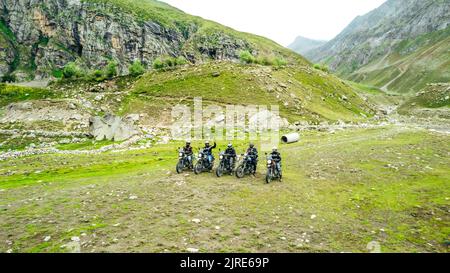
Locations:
column 203, row 163
column 183, row 162
column 272, row 171
column 246, row 167
column 225, row 165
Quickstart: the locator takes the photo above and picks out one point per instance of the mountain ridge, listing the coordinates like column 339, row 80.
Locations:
column 385, row 47
column 303, row 45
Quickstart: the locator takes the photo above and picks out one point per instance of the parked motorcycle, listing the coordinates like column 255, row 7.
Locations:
column 246, row 167
column 225, row 165
column 183, row 162
column 203, row 163
column 272, row 171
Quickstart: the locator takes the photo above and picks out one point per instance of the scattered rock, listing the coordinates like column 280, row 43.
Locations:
column 47, row 238
column 192, row 250
column 196, row 221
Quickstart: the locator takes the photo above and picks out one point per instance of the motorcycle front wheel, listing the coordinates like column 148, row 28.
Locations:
column 269, row 176
column 198, row 168
column 180, row 167
column 240, row 171
column 219, row 171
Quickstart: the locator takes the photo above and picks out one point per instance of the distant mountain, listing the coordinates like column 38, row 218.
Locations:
column 400, row 46
column 303, row 45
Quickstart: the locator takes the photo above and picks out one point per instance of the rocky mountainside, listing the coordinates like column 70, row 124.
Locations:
column 38, row 37
column 303, row 45
column 400, row 46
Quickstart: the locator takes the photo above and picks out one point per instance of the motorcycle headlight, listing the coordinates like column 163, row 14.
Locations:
column 200, row 155
column 181, row 154
column 221, row 157
column 269, row 161
column 245, row 154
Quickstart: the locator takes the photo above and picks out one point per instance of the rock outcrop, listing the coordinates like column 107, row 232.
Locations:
column 39, row 37
column 111, row 127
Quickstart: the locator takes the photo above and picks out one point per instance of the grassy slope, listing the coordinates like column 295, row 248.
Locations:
column 12, row 93
column 363, row 186
column 423, row 60
column 310, row 94
column 431, row 97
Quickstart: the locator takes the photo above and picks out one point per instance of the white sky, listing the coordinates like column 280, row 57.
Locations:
column 281, row 20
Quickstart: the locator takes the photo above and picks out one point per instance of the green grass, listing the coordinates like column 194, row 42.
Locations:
column 342, row 178
column 86, row 145
column 13, row 93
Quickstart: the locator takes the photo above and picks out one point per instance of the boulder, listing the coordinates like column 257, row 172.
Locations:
column 111, row 127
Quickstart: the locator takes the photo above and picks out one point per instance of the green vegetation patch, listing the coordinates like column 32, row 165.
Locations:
column 13, row 93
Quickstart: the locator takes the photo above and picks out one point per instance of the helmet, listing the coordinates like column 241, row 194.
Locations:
column 207, row 142
column 252, row 145
column 274, row 149
column 230, row 145
column 188, row 143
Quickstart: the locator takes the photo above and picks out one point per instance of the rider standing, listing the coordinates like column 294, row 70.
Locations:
column 188, row 152
column 276, row 157
column 231, row 153
column 208, row 151
column 252, row 152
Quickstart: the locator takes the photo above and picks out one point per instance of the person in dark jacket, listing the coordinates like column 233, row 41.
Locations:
column 208, row 151
column 231, row 153
column 188, row 152
column 252, row 152
column 276, row 157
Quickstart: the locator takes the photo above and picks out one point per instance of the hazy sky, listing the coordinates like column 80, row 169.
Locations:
column 281, row 20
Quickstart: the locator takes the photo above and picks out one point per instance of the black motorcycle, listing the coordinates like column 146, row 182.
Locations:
column 183, row 162
column 272, row 171
column 246, row 167
column 225, row 165
column 203, row 163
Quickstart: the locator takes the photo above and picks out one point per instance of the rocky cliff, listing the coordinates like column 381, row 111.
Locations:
column 38, row 37
column 400, row 46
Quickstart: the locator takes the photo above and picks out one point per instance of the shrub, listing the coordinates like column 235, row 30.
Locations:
column 247, row 57
column 264, row 60
column 158, row 64
column 9, row 78
column 279, row 62
column 71, row 70
column 169, row 62
column 111, row 70
column 181, row 60
column 322, row 67
column 97, row 75
column 136, row 68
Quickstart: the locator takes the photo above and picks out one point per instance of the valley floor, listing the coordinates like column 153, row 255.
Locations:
column 346, row 191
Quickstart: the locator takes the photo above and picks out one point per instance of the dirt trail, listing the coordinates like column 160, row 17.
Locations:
column 402, row 72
